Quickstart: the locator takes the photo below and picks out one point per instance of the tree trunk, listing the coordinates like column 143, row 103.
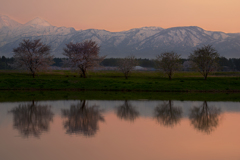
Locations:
column 83, row 73
column 33, row 73
column 205, row 77
column 170, row 77
column 126, row 75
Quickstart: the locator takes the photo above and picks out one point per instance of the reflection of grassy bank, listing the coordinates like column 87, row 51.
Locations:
column 109, row 95
column 114, row 81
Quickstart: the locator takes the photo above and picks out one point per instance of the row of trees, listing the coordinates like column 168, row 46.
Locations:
column 35, row 56
column 33, row 119
column 203, row 59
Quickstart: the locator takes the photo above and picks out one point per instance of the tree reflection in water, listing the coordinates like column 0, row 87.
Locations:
column 81, row 119
column 205, row 118
column 168, row 115
column 32, row 119
column 127, row 112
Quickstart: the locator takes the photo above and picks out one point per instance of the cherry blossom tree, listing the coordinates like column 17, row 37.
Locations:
column 126, row 65
column 82, row 56
column 169, row 62
column 204, row 60
column 33, row 56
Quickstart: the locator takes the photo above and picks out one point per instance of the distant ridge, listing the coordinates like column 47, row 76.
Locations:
column 145, row 42
column 5, row 21
column 38, row 22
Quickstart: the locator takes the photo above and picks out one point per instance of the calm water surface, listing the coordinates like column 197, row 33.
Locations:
column 117, row 130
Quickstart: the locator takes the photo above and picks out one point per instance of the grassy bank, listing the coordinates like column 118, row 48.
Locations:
column 8, row 96
column 114, row 81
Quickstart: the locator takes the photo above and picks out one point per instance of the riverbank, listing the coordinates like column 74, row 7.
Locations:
column 114, row 81
column 15, row 96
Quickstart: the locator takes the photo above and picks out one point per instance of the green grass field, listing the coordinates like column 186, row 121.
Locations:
column 139, row 81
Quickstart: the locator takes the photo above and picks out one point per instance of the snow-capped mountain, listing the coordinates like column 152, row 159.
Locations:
column 5, row 21
column 37, row 22
column 144, row 42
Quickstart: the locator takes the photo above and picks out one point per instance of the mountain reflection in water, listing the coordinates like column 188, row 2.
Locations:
column 82, row 119
column 32, row 119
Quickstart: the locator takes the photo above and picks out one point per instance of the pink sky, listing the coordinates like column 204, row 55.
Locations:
column 119, row 15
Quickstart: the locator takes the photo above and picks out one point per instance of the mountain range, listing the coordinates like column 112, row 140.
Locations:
column 144, row 42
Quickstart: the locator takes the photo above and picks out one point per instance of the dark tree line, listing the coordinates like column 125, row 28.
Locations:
column 4, row 63
column 231, row 64
column 113, row 62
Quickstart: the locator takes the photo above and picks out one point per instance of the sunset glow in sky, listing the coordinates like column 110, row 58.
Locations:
column 119, row 15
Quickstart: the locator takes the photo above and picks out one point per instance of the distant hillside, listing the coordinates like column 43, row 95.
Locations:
column 143, row 42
